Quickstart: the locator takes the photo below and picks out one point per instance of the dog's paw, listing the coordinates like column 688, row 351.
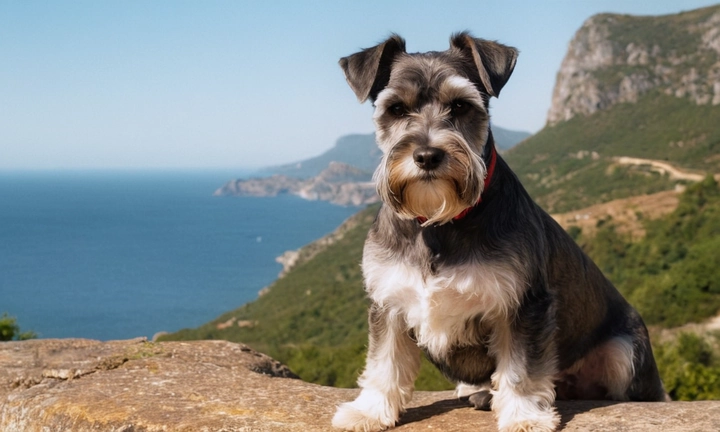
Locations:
column 544, row 422
column 529, row 426
column 481, row 400
column 479, row 396
column 371, row 411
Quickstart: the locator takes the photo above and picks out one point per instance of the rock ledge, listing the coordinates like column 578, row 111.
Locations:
column 132, row 386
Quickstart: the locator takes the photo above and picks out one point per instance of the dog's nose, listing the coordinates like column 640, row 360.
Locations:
column 428, row 158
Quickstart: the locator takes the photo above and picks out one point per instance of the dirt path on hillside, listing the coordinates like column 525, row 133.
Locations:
column 627, row 213
column 663, row 168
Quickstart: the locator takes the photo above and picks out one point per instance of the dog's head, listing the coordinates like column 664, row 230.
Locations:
column 432, row 120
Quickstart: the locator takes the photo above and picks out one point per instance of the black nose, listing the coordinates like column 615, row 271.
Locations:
column 428, row 158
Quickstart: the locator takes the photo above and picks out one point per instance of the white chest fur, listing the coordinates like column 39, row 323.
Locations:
column 438, row 307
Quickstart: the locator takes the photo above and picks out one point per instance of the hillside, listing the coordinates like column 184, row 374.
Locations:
column 358, row 150
column 642, row 87
column 573, row 164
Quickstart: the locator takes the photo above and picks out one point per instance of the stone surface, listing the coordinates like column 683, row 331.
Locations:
column 82, row 385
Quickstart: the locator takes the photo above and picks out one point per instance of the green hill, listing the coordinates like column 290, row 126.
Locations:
column 558, row 169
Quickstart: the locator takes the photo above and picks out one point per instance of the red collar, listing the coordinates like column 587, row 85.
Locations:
column 488, row 177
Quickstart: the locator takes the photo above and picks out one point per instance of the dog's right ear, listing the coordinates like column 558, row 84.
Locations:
column 368, row 71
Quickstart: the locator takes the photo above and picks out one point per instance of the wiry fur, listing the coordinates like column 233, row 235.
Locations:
column 502, row 301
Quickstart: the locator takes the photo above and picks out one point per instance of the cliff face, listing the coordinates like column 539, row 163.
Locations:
column 617, row 58
column 81, row 385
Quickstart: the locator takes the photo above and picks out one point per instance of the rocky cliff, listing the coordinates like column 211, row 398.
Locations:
column 339, row 183
column 617, row 58
column 74, row 385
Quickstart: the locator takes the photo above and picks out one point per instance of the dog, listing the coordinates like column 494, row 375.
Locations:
column 462, row 265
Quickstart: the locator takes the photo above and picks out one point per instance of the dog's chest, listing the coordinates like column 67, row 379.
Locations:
column 441, row 307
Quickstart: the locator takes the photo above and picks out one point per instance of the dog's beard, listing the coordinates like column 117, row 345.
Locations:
column 436, row 200
column 436, row 197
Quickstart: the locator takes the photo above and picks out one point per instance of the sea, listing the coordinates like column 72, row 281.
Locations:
column 121, row 254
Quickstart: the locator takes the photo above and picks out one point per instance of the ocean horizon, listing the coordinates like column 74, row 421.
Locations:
column 126, row 253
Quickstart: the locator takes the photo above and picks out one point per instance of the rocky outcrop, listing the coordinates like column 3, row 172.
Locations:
column 74, row 385
column 339, row 183
column 259, row 187
column 617, row 58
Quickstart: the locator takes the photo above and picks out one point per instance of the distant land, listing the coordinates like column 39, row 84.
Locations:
column 342, row 175
column 361, row 151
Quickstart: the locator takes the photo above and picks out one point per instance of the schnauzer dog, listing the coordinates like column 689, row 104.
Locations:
column 463, row 265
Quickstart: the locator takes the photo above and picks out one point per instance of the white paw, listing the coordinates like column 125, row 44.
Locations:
column 542, row 421
column 530, row 426
column 371, row 411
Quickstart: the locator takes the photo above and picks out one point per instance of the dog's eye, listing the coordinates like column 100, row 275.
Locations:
column 398, row 110
column 459, row 108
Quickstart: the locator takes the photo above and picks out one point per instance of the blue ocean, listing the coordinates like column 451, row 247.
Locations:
column 115, row 255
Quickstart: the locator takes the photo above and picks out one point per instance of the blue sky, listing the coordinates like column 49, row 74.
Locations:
column 238, row 84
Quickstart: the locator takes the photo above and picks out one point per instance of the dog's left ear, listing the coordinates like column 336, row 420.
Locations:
column 495, row 62
column 368, row 71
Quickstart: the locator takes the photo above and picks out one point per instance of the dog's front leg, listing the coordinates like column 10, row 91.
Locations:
column 524, row 392
column 393, row 362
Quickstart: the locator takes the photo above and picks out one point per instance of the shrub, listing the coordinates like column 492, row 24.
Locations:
column 689, row 367
column 10, row 330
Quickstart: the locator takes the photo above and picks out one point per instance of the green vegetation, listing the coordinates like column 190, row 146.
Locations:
column 690, row 366
column 558, row 170
column 10, row 330
column 672, row 275
column 663, row 31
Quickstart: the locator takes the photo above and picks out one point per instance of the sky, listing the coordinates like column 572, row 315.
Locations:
column 128, row 84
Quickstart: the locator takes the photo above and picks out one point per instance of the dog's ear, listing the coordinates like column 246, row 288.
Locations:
column 495, row 62
column 368, row 71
